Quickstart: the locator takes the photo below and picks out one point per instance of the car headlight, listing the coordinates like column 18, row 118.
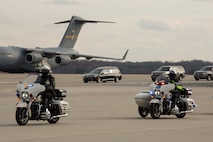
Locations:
column 25, row 95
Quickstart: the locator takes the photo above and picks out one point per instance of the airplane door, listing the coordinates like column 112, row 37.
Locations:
column 7, row 58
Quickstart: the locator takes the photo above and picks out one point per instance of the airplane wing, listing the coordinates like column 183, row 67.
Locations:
column 50, row 52
column 88, row 57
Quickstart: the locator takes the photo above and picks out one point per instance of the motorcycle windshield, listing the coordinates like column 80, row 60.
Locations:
column 163, row 79
column 32, row 78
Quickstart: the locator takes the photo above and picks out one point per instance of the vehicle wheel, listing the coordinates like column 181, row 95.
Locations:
column 155, row 111
column 85, row 81
column 209, row 77
column 181, row 77
column 143, row 112
column 98, row 80
column 182, row 115
column 116, row 79
column 21, row 116
column 182, row 107
column 53, row 121
column 197, row 79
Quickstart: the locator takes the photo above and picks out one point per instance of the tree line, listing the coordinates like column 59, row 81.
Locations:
column 84, row 66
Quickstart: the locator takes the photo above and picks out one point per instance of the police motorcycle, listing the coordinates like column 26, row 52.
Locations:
column 157, row 101
column 30, row 106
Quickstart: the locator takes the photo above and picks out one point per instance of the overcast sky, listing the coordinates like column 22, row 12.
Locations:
column 153, row 30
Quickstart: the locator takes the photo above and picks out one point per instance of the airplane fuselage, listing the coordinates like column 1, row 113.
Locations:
column 19, row 60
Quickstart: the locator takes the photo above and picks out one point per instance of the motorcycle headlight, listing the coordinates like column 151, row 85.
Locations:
column 25, row 95
column 157, row 92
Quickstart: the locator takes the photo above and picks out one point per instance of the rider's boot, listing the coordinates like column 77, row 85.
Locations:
column 175, row 110
column 45, row 114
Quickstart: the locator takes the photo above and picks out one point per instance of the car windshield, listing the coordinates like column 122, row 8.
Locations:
column 32, row 78
column 96, row 71
column 163, row 69
column 206, row 68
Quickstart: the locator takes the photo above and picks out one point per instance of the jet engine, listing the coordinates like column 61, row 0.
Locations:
column 62, row 60
column 33, row 58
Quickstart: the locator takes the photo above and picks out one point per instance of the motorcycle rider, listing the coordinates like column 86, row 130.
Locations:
column 48, row 81
column 174, row 80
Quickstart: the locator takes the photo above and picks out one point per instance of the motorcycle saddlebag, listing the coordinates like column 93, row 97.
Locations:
column 60, row 93
column 142, row 99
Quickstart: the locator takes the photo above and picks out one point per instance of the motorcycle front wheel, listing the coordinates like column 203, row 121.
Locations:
column 155, row 111
column 21, row 116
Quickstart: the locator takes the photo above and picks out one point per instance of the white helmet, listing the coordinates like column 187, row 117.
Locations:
column 44, row 69
column 172, row 72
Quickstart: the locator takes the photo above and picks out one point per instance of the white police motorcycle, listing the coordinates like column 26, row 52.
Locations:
column 30, row 106
column 157, row 101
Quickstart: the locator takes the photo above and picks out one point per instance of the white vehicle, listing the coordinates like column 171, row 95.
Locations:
column 29, row 106
column 157, row 101
column 179, row 70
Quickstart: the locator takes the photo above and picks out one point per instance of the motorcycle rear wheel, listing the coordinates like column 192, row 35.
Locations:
column 21, row 116
column 155, row 111
column 182, row 107
column 53, row 121
column 182, row 115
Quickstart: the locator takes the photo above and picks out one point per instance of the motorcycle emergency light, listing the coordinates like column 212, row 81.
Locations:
column 151, row 92
column 17, row 94
column 160, row 83
column 26, row 86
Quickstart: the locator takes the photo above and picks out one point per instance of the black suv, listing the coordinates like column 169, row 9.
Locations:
column 103, row 74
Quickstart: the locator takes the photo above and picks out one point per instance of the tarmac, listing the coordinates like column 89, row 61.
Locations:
column 107, row 112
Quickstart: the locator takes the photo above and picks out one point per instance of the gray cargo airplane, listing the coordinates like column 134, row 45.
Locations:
column 19, row 60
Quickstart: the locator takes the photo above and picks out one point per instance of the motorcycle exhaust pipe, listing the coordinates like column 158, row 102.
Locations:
column 64, row 115
column 189, row 111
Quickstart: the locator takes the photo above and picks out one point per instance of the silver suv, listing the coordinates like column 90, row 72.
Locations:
column 103, row 74
column 165, row 69
column 205, row 72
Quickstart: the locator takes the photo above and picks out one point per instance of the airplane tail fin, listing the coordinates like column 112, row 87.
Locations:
column 71, row 34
